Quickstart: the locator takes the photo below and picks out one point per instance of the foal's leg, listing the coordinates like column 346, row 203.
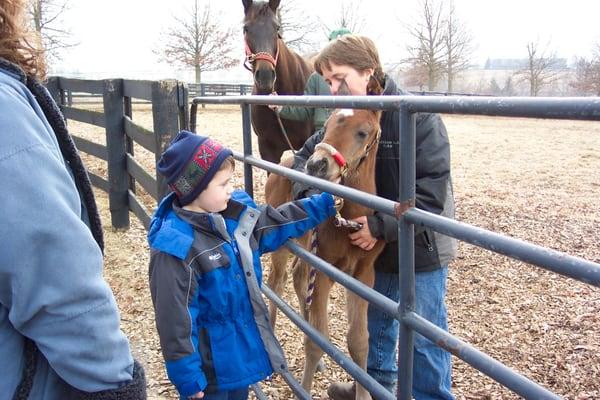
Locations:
column 358, row 334
column 301, row 273
column 318, row 319
column 277, row 279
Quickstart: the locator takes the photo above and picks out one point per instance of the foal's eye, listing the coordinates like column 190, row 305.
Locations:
column 362, row 135
column 245, row 29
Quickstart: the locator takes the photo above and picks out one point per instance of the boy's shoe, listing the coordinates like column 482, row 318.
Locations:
column 342, row 391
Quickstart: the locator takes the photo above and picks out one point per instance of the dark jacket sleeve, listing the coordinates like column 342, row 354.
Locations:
column 300, row 158
column 432, row 176
column 315, row 86
column 172, row 283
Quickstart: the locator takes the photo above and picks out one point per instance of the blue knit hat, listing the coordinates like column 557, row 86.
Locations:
column 189, row 164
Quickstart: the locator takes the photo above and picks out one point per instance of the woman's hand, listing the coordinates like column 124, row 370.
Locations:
column 198, row 395
column 274, row 107
column 362, row 238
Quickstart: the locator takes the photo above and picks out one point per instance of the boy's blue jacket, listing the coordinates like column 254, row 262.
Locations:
column 205, row 277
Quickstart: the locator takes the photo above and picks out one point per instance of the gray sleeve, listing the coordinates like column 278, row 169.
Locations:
column 171, row 285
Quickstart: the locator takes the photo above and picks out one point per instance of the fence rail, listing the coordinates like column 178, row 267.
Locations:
column 408, row 217
column 87, row 91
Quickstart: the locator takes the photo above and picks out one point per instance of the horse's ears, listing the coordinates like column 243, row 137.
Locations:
column 247, row 4
column 274, row 4
column 377, row 114
column 373, row 86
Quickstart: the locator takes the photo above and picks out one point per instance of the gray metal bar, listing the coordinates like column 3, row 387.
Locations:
column 296, row 387
column 247, row 134
column 556, row 261
column 366, row 199
column 579, row 108
column 377, row 299
column 258, row 393
column 406, row 248
column 484, row 363
column 372, row 386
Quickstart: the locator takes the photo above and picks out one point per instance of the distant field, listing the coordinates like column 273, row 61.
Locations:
column 537, row 180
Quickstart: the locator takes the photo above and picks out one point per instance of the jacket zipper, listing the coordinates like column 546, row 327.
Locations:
column 427, row 241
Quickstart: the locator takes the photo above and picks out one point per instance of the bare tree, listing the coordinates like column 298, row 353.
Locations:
column 543, row 68
column 587, row 74
column 197, row 41
column 428, row 49
column 458, row 42
column 351, row 16
column 47, row 19
column 297, row 28
column 416, row 76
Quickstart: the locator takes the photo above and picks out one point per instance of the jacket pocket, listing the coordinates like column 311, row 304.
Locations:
column 426, row 252
column 209, row 260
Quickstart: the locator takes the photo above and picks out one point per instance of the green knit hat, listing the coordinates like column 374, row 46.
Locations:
column 339, row 32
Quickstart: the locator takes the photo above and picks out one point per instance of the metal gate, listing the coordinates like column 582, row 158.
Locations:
column 408, row 216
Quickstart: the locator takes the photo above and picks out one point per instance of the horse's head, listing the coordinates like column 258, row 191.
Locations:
column 261, row 36
column 350, row 136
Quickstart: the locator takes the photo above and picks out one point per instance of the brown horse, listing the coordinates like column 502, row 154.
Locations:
column 355, row 135
column 275, row 68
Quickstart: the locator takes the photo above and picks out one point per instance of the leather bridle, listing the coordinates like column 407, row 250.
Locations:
column 251, row 57
column 341, row 161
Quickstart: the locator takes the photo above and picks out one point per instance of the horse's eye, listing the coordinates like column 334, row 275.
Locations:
column 362, row 134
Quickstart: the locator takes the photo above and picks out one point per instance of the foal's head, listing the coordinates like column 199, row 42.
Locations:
column 350, row 136
column 261, row 34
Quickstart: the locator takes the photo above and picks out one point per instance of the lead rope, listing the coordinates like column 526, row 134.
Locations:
column 339, row 222
column 285, row 135
column 312, row 274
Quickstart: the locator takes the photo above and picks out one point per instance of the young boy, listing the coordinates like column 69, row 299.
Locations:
column 205, row 273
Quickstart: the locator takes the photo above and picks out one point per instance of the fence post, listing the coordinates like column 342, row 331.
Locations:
column 118, row 182
column 166, row 118
column 54, row 89
column 203, row 92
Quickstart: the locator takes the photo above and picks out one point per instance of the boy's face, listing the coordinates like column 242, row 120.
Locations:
column 216, row 195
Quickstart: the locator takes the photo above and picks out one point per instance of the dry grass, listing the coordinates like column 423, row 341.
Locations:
column 537, row 180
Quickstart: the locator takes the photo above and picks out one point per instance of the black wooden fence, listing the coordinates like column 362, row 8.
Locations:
column 74, row 97
column 169, row 114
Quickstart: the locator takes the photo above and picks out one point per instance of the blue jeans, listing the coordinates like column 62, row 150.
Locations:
column 432, row 365
column 237, row 394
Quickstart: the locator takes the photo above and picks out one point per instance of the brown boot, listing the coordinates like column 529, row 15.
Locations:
column 342, row 391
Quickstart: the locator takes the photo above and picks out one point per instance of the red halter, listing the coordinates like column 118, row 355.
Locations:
column 261, row 55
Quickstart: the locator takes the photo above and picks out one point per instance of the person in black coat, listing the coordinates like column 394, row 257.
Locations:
column 349, row 65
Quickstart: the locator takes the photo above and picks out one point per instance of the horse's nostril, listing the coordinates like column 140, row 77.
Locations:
column 264, row 78
column 317, row 168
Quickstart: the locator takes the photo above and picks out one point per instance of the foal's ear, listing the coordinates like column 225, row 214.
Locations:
column 377, row 114
column 374, row 87
column 247, row 4
column 274, row 4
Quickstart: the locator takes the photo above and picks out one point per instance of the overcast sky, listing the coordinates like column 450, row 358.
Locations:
column 117, row 37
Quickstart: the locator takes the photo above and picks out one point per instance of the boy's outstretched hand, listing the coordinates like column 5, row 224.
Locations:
column 198, row 395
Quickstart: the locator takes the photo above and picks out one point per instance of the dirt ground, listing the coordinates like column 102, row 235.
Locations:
column 536, row 180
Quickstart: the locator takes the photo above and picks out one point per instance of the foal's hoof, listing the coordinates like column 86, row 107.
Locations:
column 342, row 391
column 321, row 366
